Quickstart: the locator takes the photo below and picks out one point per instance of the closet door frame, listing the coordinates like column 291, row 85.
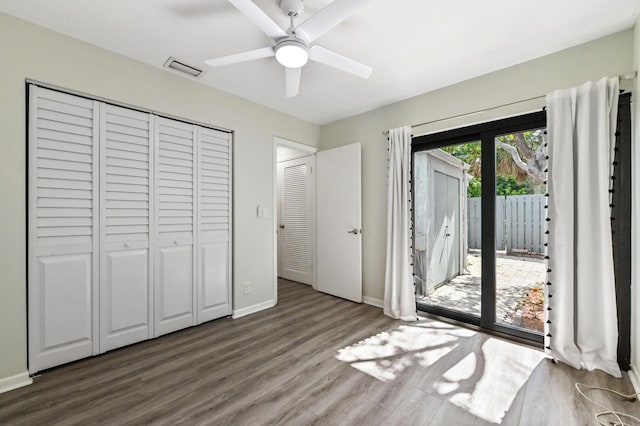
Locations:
column 34, row 297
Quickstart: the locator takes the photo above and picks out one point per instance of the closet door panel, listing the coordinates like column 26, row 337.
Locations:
column 175, row 280
column 126, row 199
column 63, row 228
column 65, row 286
column 174, row 215
column 126, row 291
column 214, row 224
column 214, row 284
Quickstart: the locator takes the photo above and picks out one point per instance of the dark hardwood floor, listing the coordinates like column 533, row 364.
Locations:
column 314, row 359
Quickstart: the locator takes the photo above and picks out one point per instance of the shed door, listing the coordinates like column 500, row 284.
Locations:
column 445, row 258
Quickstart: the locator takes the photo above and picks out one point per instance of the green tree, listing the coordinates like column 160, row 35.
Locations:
column 470, row 153
column 474, row 187
column 522, row 155
column 520, row 162
column 505, row 185
column 508, row 185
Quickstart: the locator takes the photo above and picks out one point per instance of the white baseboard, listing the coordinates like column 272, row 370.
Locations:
column 237, row 313
column 15, row 382
column 633, row 376
column 372, row 301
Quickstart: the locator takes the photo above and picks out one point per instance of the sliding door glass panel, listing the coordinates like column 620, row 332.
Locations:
column 520, row 225
column 447, row 230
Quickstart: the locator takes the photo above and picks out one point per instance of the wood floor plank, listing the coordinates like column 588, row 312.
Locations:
column 313, row 359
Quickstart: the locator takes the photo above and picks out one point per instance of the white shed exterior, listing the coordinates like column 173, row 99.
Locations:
column 440, row 214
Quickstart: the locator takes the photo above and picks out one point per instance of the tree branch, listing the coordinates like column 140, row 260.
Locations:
column 524, row 149
column 534, row 172
column 514, row 154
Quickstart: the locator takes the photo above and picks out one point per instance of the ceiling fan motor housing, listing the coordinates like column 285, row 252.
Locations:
column 292, row 7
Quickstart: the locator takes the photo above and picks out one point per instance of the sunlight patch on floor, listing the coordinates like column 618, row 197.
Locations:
column 485, row 384
column 387, row 354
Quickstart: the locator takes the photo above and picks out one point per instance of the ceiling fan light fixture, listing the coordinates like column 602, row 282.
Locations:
column 292, row 53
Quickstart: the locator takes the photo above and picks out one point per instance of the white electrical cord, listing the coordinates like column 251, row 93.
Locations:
column 618, row 415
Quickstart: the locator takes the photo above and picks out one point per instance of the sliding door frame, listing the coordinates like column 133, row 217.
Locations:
column 486, row 134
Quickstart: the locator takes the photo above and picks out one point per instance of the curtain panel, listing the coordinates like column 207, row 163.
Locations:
column 581, row 324
column 399, row 291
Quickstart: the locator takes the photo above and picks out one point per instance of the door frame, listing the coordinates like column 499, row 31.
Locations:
column 309, row 150
column 485, row 133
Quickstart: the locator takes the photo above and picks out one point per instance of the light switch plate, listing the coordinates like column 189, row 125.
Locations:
column 262, row 212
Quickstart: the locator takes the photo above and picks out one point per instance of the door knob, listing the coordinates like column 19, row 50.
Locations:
column 354, row 231
column 281, row 226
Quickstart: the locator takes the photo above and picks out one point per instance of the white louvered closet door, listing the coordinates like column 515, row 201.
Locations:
column 295, row 232
column 126, row 171
column 63, row 228
column 214, row 224
column 175, row 218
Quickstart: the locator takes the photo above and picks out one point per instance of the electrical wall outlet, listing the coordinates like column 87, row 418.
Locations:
column 247, row 287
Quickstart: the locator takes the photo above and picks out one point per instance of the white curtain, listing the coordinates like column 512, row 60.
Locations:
column 582, row 328
column 399, row 293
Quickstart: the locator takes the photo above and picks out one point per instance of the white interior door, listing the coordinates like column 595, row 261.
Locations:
column 338, row 186
column 295, row 213
column 175, row 210
column 63, row 228
column 125, row 265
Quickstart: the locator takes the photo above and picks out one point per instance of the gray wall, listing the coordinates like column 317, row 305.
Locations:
column 33, row 52
column 610, row 56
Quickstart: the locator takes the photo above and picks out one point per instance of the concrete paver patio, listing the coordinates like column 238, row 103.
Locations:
column 515, row 277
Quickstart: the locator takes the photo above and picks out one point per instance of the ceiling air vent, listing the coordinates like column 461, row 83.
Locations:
column 174, row 64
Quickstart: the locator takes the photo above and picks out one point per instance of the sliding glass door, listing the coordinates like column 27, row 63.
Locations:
column 479, row 222
column 447, row 251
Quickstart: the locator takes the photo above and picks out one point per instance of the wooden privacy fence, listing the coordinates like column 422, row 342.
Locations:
column 520, row 223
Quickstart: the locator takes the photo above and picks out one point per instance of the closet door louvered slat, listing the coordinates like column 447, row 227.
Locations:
column 175, row 235
column 214, row 224
column 63, row 228
column 126, row 221
column 295, row 240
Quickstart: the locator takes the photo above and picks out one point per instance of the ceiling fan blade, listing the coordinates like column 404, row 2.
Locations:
column 334, row 13
column 265, row 52
column 261, row 19
column 292, row 81
column 336, row 60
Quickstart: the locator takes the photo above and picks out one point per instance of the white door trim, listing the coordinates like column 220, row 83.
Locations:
column 278, row 141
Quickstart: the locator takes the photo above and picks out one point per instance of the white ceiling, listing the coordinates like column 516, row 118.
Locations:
column 414, row 46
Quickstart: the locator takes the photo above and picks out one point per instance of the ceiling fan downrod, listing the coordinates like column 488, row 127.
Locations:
column 292, row 8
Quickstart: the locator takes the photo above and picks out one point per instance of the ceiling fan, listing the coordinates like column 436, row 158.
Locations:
column 293, row 47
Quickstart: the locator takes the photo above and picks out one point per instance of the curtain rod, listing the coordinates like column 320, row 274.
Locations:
column 622, row 77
